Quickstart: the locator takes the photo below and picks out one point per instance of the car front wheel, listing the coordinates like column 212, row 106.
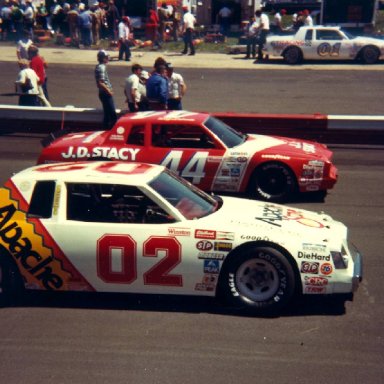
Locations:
column 260, row 279
column 272, row 182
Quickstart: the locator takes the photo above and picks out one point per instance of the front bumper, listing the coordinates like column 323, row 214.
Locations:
column 357, row 268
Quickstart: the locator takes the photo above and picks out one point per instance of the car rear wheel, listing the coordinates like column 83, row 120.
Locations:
column 370, row 55
column 292, row 55
column 260, row 279
column 273, row 182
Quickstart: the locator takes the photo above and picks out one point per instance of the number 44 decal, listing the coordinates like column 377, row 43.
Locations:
column 159, row 274
column 194, row 169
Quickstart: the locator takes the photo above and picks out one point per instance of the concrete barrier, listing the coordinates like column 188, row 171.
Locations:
column 319, row 127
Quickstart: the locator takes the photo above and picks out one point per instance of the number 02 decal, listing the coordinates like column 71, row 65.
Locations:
column 159, row 274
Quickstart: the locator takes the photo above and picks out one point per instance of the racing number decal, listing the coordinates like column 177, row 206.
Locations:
column 127, row 246
column 157, row 275
column 326, row 49
column 194, row 169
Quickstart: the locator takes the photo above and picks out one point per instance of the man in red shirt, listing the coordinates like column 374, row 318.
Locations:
column 38, row 64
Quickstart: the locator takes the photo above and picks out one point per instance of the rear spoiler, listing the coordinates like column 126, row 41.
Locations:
column 53, row 136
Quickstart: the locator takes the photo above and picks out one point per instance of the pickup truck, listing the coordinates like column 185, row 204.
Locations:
column 324, row 43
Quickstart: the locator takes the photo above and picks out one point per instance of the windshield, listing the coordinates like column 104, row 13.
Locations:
column 229, row 136
column 191, row 202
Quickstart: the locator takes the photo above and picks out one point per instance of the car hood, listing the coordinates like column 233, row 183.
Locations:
column 244, row 216
column 286, row 147
column 368, row 40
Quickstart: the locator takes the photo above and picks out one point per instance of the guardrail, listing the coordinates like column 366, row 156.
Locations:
column 318, row 127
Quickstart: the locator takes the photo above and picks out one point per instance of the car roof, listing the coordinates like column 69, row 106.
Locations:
column 161, row 117
column 129, row 173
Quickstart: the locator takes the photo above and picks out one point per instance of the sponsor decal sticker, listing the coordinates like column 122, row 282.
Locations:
column 326, row 269
column 223, row 246
column 179, row 232
column 34, row 259
column 314, row 290
column 225, row 236
column 316, row 281
column 211, row 256
column 210, row 279
column 211, row 266
column 204, row 245
column 205, row 234
column 310, row 267
column 313, row 256
column 204, row 287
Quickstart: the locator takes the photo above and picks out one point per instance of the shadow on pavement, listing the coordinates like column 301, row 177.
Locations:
column 303, row 306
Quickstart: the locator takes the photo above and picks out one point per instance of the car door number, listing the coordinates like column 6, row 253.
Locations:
column 193, row 170
column 159, row 274
column 326, row 49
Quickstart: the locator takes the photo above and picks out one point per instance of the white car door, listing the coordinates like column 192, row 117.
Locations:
column 330, row 44
column 121, row 241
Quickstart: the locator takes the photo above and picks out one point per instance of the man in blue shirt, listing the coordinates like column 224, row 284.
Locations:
column 105, row 90
column 157, row 89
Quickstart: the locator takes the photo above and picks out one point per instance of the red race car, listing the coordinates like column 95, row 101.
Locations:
column 207, row 152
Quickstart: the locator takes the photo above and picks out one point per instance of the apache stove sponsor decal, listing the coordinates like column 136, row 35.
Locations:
column 34, row 259
column 275, row 215
column 110, row 153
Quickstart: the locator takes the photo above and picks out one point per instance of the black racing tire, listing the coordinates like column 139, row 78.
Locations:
column 11, row 283
column 293, row 55
column 273, row 182
column 370, row 54
column 259, row 279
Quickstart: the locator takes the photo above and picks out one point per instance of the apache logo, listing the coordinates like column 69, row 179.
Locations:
column 272, row 215
column 34, row 259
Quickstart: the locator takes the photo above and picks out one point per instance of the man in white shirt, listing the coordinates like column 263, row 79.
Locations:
column 27, row 85
column 176, row 88
column 308, row 21
column 188, row 27
column 124, row 32
column 263, row 28
column 132, row 88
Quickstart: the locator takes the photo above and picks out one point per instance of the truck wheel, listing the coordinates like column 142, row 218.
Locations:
column 292, row 55
column 370, row 55
column 260, row 279
column 272, row 182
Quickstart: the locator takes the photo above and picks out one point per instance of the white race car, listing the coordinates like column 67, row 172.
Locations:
column 324, row 43
column 139, row 228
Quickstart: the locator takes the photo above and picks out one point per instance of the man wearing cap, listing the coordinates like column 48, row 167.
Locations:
column 105, row 90
column 176, row 88
column 157, row 89
column 277, row 22
column 308, row 21
column 132, row 88
column 188, row 27
column 124, row 31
